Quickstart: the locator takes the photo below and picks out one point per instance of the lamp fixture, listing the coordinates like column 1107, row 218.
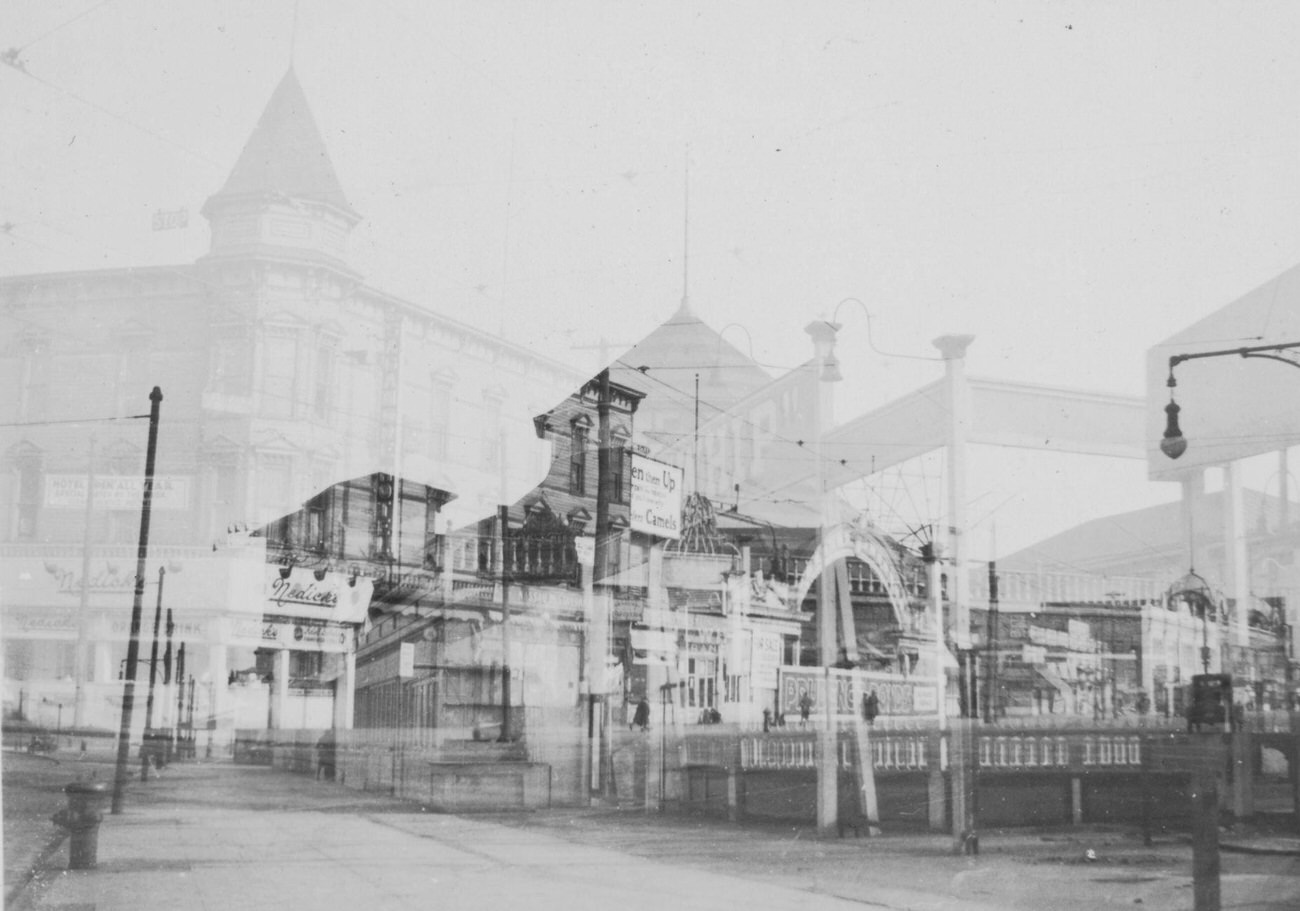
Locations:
column 1174, row 444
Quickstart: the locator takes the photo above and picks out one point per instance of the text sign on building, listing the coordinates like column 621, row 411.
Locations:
column 116, row 491
column 895, row 695
column 656, row 498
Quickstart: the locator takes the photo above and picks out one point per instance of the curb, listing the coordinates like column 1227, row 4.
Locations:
column 1240, row 848
column 20, row 890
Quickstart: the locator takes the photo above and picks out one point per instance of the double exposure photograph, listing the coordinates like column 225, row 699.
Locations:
column 626, row 455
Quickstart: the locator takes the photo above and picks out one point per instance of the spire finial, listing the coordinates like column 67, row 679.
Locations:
column 293, row 35
column 685, row 308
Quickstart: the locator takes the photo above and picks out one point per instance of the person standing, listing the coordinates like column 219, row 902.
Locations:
column 805, row 708
column 641, row 718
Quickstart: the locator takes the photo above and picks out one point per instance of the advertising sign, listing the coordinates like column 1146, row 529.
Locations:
column 766, row 659
column 294, row 634
column 116, row 491
column 895, row 695
column 299, row 591
column 656, row 498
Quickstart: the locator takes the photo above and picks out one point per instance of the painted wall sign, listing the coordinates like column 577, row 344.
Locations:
column 656, row 498
column 296, row 634
column 116, row 492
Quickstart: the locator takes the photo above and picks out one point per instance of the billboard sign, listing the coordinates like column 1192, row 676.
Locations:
column 656, row 498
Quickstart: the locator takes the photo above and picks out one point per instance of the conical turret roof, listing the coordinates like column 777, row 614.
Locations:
column 285, row 155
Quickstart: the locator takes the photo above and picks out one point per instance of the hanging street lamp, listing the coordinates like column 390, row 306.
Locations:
column 1173, row 443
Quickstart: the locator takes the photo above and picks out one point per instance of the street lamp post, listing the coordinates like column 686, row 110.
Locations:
column 133, row 646
column 823, row 337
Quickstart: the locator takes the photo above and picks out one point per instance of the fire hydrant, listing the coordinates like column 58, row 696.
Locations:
column 84, row 813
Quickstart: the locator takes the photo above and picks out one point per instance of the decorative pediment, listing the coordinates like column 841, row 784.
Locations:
column 23, row 451
column 274, row 443
column 578, row 518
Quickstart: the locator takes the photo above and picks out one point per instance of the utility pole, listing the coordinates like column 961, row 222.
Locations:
column 600, row 620
column 78, row 707
column 991, row 649
column 133, row 648
column 503, row 524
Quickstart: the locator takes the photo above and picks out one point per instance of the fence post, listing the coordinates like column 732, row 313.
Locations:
column 937, row 789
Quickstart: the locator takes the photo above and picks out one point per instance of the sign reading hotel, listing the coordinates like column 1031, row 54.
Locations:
column 656, row 498
column 116, row 491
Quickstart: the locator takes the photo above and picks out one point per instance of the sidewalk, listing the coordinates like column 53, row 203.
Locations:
column 221, row 836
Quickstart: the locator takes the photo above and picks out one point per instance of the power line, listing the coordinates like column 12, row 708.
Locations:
column 126, row 417
column 11, row 55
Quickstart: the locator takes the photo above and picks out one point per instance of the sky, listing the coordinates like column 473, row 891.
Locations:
column 1070, row 183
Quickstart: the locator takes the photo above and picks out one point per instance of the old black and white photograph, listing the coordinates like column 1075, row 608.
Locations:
column 649, row 455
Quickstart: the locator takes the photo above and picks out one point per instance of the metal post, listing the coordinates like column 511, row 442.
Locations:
column 180, row 698
column 153, row 674
column 167, row 682
column 133, row 648
column 503, row 522
column 1205, row 841
column 991, row 649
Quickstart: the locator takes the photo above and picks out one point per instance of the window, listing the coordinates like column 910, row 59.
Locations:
column 314, row 519
column 325, row 370
column 413, row 524
column 578, row 460
column 305, row 665
column 491, row 423
column 279, row 370
column 274, row 485
column 618, row 473
column 232, row 364
column 29, row 494
column 439, row 418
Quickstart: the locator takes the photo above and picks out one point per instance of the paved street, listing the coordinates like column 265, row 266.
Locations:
column 221, row 836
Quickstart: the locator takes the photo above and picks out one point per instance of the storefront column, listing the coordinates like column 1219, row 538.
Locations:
column 218, row 694
column 280, row 690
column 345, row 685
column 101, row 666
column 1234, row 557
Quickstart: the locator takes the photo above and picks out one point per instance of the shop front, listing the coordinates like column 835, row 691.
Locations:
column 67, row 629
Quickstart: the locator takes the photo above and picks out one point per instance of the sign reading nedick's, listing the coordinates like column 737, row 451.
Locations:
column 656, row 498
